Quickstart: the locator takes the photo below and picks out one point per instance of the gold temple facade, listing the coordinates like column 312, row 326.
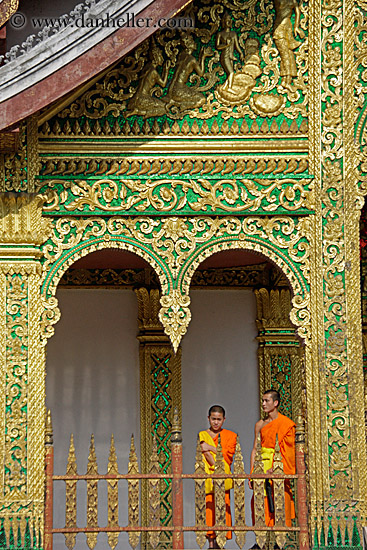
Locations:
column 242, row 132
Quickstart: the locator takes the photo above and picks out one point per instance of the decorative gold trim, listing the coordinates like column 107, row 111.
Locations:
column 215, row 144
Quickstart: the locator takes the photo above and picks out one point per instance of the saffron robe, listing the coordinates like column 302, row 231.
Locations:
column 284, row 427
column 228, row 441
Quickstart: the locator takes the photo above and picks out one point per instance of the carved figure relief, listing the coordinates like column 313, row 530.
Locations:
column 238, row 62
column 145, row 101
column 284, row 38
column 244, row 80
column 226, row 43
column 179, row 93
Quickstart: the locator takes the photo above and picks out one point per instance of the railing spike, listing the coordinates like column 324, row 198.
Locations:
column 200, row 496
column 70, row 497
column 133, row 495
column 92, row 467
column 71, row 468
column 239, row 494
column 113, row 495
column 112, row 467
column 92, row 495
column 219, row 491
column 154, row 496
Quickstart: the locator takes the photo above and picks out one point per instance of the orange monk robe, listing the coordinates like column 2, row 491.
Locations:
column 284, row 427
column 228, row 441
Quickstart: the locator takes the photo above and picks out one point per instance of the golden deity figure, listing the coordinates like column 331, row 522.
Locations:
column 243, row 80
column 144, row 102
column 226, row 43
column 285, row 39
column 179, row 93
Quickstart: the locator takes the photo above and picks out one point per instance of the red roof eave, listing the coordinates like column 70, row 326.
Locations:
column 85, row 67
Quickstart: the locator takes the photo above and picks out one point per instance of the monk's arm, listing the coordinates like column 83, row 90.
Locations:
column 288, row 451
column 207, row 451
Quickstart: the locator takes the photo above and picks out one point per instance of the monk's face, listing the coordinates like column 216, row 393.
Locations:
column 216, row 420
column 269, row 405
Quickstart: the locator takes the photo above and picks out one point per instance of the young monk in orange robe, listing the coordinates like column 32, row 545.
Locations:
column 209, row 442
column 273, row 425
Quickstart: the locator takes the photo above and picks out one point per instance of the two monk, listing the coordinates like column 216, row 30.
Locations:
column 276, row 424
column 209, row 442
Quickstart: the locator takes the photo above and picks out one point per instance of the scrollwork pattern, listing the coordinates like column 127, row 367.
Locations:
column 15, row 486
column 175, row 247
column 335, row 264
column 176, row 195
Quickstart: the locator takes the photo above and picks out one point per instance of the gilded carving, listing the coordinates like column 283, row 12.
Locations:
column 160, row 393
column 181, row 244
column 7, row 9
column 240, row 61
column 284, row 38
column 144, row 102
column 235, row 166
column 189, row 195
column 21, row 220
column 15, row 165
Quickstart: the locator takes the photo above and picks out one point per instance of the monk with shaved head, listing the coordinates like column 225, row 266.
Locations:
column 209, row 442
column 276, row 424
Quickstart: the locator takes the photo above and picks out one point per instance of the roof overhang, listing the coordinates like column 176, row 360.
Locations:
column 66, row 60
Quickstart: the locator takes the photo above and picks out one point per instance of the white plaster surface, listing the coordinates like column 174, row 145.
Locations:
column 93, row 387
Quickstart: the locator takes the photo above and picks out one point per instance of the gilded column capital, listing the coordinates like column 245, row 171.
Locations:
column 22, row 227
column 150, row 327
column 273, row 308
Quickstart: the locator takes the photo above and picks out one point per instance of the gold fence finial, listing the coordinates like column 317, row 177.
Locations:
column 219, row 491
column 92, row 467
column 133, row 459
column 278, row 492
column 92, row 495
column 49, row 436
column 239, row 494
column 200, row 504
column 154, row 496
column 176, row 434
column 71, row 468
column 113, row 496
column 258, row 463
column 133, row 495
column 277, row 461
column 70, row 497
column 112, row 467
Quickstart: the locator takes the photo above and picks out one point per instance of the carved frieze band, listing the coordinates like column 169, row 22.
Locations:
column 181, row 196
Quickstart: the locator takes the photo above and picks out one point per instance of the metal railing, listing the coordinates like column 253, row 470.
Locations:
column 153, row 527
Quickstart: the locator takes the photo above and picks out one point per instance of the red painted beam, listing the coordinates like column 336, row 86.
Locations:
column 85, row 67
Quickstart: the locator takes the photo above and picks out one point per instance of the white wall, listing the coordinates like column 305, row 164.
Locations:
column 92, row 386
column 219, row 366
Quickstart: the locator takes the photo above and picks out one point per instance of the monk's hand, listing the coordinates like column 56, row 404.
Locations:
column 250, row 484
column 204, row 446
